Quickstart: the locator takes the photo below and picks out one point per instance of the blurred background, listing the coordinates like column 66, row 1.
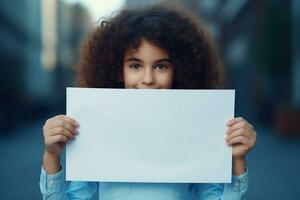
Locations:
column 259, row 43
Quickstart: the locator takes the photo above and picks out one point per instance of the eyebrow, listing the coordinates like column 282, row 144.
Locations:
column 156, row 61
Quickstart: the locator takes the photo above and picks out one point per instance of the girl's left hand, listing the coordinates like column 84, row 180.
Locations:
column 241, row 136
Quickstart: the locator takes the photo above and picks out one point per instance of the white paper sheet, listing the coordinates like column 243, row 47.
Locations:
column 129, row 135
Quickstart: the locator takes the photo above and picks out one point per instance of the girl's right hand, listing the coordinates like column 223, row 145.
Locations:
column 58, row 131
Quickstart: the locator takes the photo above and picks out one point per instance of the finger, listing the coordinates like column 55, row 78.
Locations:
column 72, row 121
column 234, row 120
column 57, row 138
column 241, row 124
column 62, row 123
column 238, row 140
column 61, row 131
column 237, row 120
column 238, row 132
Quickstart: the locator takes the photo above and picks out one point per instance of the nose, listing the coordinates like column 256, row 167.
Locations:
column 149, row 77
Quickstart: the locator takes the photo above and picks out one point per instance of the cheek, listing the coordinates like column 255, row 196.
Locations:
column 129, row 78
column 166, row 80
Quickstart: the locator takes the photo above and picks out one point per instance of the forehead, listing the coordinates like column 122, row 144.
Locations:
column 146, row 49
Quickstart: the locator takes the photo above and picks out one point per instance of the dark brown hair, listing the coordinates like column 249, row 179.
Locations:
column 196, row 64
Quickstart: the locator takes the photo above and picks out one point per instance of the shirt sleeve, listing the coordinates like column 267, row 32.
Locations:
column 54, row 186
column 235, row 190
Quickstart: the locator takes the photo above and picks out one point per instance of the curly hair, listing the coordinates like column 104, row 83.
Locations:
column 192, row 52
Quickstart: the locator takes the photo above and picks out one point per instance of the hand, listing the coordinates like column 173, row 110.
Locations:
column 241, row 136
column 57, row 132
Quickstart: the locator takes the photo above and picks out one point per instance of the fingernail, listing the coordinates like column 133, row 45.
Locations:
column 74, row 132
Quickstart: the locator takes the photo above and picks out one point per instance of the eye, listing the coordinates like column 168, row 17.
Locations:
column 161, row 67
column 135, row 66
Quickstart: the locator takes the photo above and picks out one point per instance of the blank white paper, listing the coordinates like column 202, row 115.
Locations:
column 145, row 135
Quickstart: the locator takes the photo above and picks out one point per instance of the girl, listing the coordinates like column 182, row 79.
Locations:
column 155, row 47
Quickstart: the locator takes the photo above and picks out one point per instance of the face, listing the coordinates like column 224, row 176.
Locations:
column 147, row 67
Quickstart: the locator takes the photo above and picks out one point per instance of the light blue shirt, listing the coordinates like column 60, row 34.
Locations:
column 54, row 187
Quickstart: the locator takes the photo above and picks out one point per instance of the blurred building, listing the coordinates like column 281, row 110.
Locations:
column 39, row 44
column 20, row 71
